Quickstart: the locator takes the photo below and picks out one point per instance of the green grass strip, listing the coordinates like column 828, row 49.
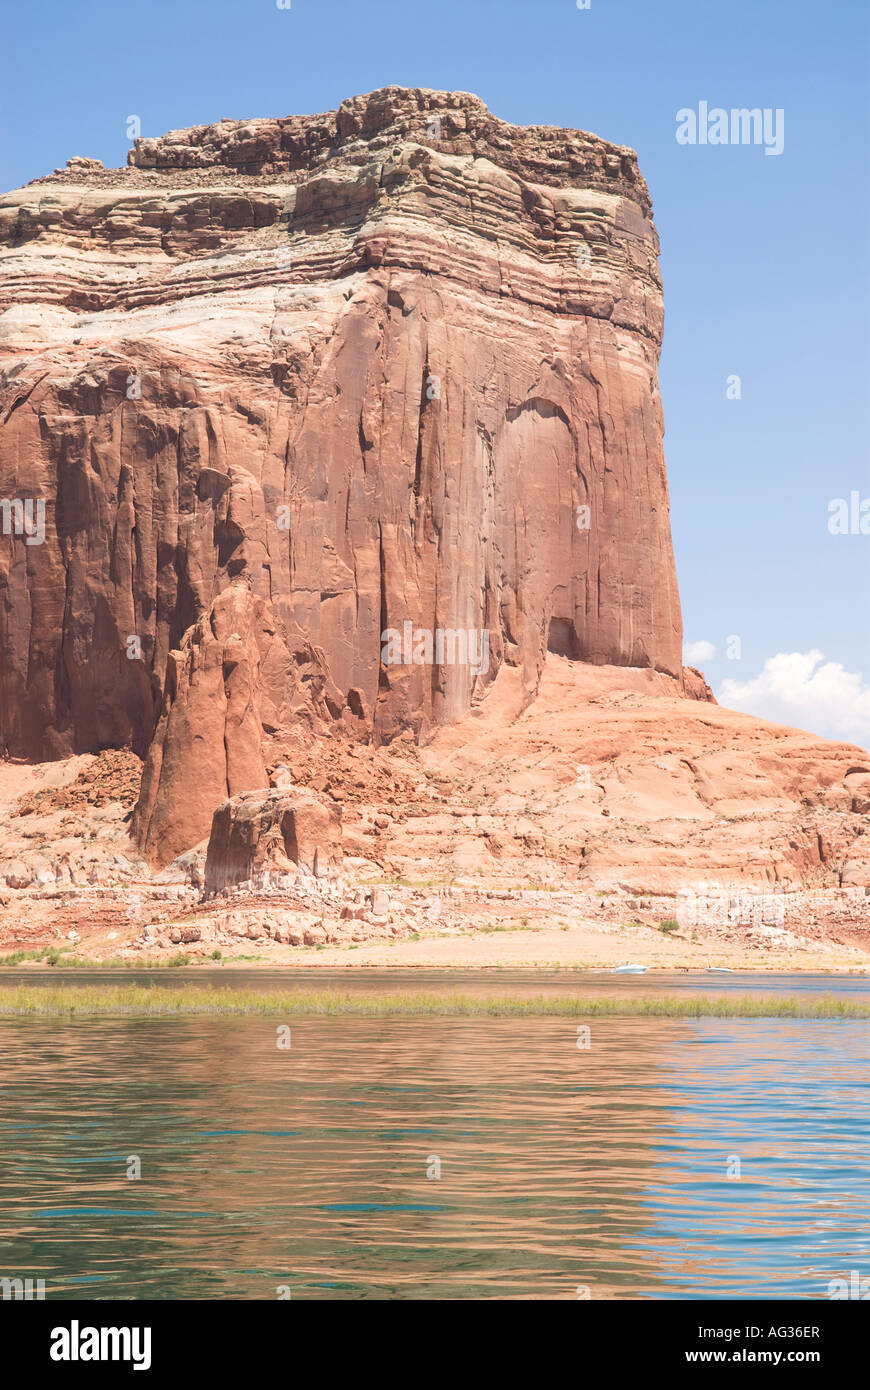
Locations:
column 107, row 1000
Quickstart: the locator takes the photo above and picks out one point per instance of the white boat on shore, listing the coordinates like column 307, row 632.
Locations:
column 629, row 969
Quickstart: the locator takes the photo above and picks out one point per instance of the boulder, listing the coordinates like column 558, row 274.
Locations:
column 269, row 832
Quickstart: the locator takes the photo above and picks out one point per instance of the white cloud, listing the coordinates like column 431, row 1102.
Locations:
column 804, row 690
column 696, row 652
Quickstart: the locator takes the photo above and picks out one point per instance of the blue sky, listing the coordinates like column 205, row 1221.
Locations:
column 765, row 259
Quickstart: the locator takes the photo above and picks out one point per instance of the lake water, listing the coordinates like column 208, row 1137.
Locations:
column 561, row 1168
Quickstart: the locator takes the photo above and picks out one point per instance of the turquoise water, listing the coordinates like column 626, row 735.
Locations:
column 600, row 1169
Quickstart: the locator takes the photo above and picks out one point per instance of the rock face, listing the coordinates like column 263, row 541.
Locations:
column 615, row 771
column 272, row 833
column 315, row 424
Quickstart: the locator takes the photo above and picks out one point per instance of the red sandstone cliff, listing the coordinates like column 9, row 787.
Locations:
column 286, row 385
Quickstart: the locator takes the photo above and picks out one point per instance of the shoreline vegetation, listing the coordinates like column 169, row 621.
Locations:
column 125, row 1000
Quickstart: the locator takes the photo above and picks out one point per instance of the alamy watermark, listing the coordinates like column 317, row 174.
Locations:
column 849, row 517
column 24, row 517
column 445, row 646
column 77, row 1343
column 853, row 1287
column 739, row 126
column 22, row 1290
column 712, row 904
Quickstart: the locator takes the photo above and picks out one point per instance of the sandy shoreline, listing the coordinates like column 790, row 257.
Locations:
column 576, row 948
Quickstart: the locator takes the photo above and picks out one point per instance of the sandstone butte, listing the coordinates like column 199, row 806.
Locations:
column 285, row 385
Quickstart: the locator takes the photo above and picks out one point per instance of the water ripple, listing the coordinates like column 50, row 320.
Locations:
column 435, row 1158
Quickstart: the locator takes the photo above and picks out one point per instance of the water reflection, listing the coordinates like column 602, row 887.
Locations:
column 764, row 1189
column 560, row 1167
